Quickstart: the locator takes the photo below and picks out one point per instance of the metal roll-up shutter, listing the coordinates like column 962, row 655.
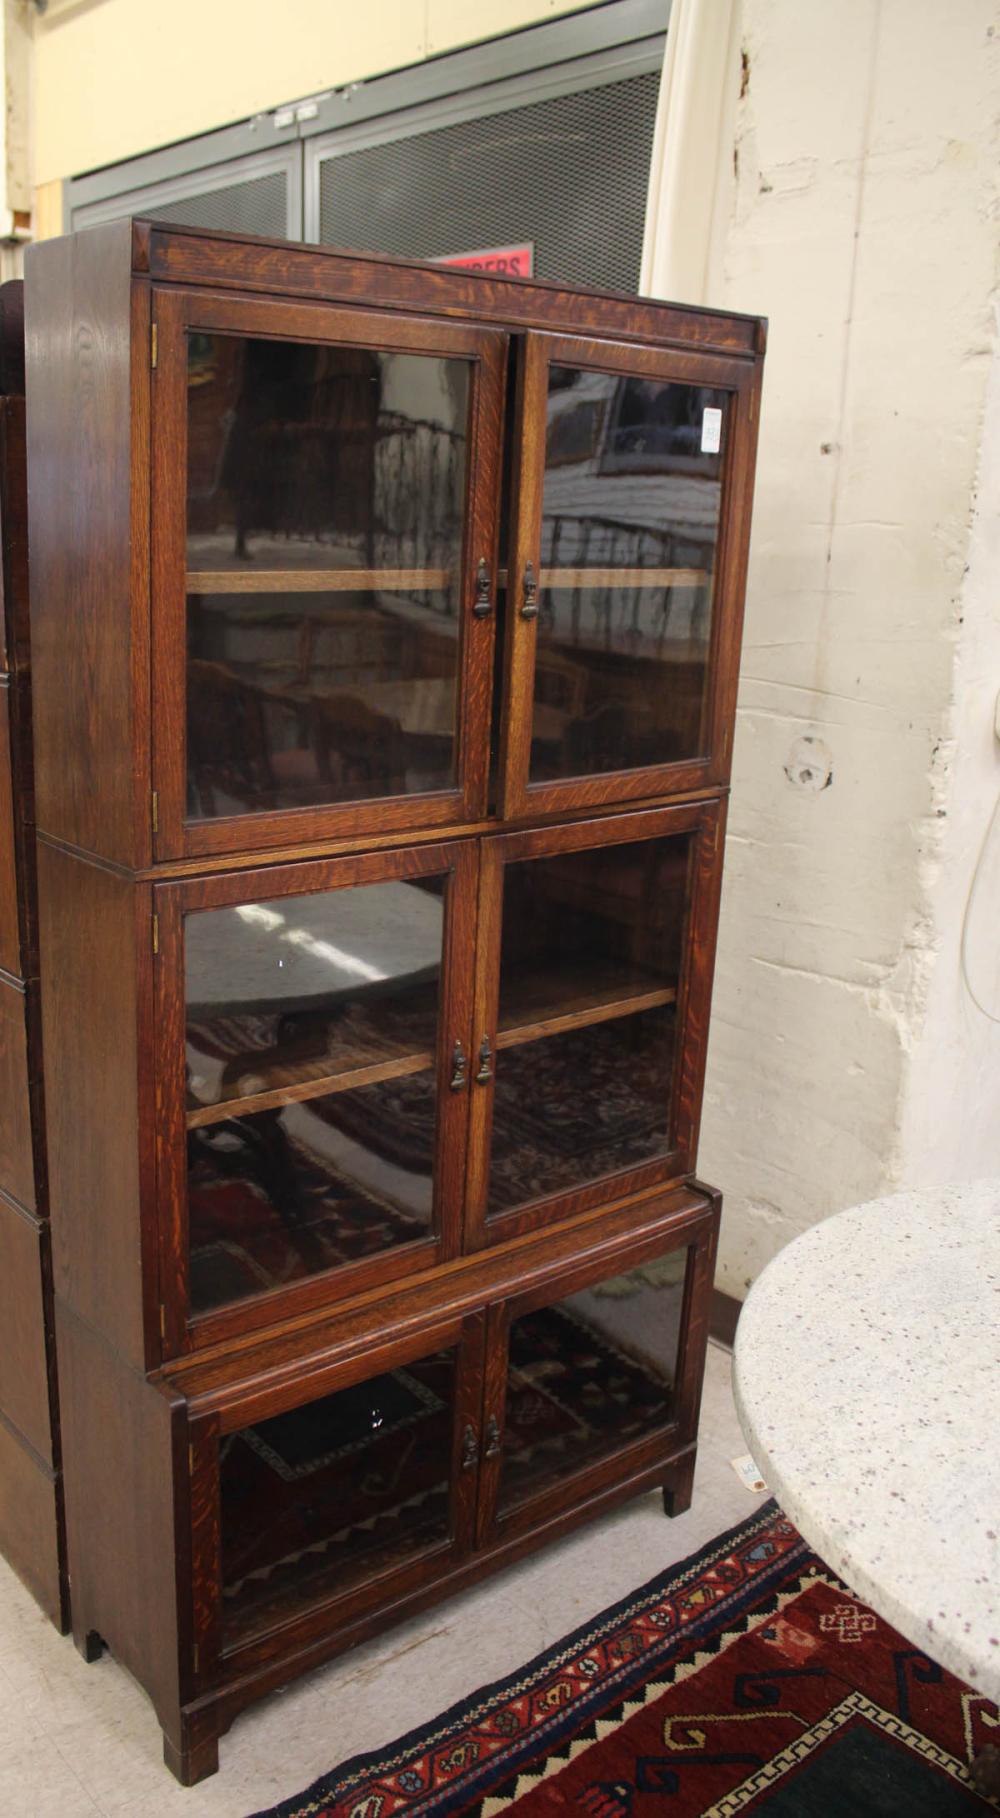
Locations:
column 569, row 173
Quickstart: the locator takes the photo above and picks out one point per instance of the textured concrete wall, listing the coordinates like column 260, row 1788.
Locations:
column 864, row 224
column 951, row 1110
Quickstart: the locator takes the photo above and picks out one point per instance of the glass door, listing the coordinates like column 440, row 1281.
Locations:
column 313, row 1031
column 588, row 1381
column 594, row 972
column 324, row 544
column 343, row 1501
column 626, row 572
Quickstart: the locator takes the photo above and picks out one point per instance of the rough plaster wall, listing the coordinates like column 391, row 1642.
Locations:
column 863, row 225
column 951, row 1114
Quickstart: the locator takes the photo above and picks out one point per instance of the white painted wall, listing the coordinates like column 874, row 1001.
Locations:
column 951, row 1110
column 118, row 77
column 864, row 223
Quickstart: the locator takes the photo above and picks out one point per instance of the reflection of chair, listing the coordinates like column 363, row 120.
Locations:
column 227, row 738
column 257, row 1150
column 560, row 682
column 360, row 751
column 606, row 738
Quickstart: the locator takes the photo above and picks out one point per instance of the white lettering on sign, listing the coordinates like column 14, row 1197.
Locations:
column 711, row 431
column 499, row 261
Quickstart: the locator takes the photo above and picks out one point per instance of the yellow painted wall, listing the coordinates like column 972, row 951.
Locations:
column 114, row 78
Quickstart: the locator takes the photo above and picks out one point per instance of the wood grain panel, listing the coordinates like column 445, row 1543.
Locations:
column 10, row 935
column 125, row 1538
column 91, row 774
column 238, row 262
column 17, row 1172
column 30, row 1505
column 90, row 1011
column 24, row 1380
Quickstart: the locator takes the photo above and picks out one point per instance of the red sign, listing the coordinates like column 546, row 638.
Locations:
column 502, row 261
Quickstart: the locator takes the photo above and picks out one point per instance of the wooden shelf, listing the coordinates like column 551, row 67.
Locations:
column 317, row 580
column 318, row 1086
column 617, row 577
column 536, row 1006
column 410, row 580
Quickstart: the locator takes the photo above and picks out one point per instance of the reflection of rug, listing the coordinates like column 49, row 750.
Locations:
column 578, row 1105
column 242, row 1242
column 267, row 1208
column 360, row 1477
column 746, row 1680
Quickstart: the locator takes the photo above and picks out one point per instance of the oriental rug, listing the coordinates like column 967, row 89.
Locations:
column 745, row 1680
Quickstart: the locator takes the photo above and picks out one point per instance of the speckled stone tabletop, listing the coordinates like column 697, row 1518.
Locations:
column 867, row 1382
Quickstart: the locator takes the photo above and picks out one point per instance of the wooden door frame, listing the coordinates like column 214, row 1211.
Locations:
column 181, row 1331
column 174, row 311
column 517, row 795
column 575, row 1486
column 704, row 822
column 213, row 1663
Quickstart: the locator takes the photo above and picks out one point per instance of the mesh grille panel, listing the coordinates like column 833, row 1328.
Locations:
column 569, row 173
column 259, row 205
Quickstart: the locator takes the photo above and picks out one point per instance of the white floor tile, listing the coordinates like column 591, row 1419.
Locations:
column 82, row 1742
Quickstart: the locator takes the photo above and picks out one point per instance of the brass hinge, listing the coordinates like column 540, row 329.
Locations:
column 163, row 1310
column 196, row 1655
column 191, row 1458
column 155, row 810
column 152, row 343
column 156, row 933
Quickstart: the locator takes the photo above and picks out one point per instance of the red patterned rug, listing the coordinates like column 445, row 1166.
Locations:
column 745, row 1680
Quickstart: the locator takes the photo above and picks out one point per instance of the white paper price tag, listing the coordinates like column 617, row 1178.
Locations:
column 711, row 430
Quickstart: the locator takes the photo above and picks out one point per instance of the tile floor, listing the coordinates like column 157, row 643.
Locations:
column 81, row 1741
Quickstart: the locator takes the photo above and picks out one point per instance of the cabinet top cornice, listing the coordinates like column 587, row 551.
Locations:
column 191, row 255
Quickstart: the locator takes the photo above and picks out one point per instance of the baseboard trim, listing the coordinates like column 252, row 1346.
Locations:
column 722, row 1317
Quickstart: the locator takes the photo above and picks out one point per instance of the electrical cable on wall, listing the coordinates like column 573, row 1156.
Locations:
column 994, row 822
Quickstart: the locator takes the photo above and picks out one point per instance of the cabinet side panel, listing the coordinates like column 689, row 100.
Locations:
column 24, row 1383
column 17, row 1173
column 29, row 1524
column 89, row 1040
column 118, row 1462
column 14, row 569
column 10, row 943
column 79, row 434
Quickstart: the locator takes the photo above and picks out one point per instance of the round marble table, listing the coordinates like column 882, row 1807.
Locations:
column 867, row 1381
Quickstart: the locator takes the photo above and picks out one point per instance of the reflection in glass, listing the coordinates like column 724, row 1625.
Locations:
column 591, row 1374
column 312, row 1100
column 629, row 531
column 326, row 490
column 316, row 1500
column 590, row 962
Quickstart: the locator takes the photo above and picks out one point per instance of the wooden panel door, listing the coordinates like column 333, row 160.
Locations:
column 324, row 526
column 626, row 568
column 594, row 971
column 333, row 1493
column 592, row 1378
column 313, row 1030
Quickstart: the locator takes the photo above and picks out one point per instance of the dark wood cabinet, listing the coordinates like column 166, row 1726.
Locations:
column 31, row 1504
column 382, row 768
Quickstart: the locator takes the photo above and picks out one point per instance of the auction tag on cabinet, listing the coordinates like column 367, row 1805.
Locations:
column 711, row 430
column 748, row 1473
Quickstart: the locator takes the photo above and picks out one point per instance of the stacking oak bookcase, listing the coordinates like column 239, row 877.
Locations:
column 32, row 1535
column 385, row 630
